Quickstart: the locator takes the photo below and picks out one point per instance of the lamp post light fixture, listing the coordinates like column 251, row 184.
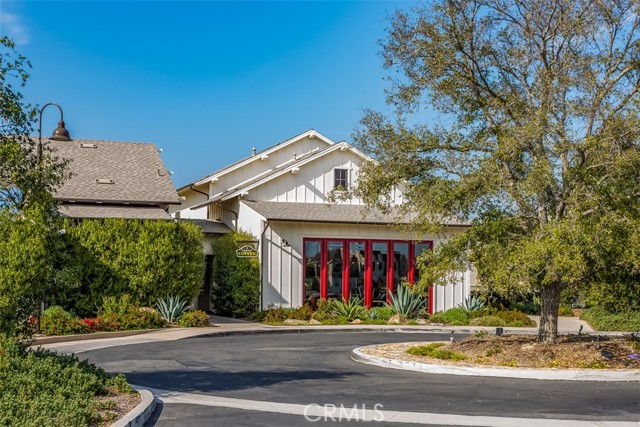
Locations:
column 60, row 134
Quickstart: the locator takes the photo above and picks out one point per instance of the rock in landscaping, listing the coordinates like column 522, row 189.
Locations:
column 356, row 322
column 422, row 322
column 314, row 322
column 396, row 319
column 295, row 322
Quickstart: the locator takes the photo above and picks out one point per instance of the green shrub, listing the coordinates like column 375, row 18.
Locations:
column 381, row 313
column 350, row 309
column 602, row 320
column 472, row 304
column 324, row 311
column 565, row 310
column 26, row 248
column 172, row 307
column 237, row 290
column 405, row 302
column 514, row 318
column 194, row 319
column 434, row 350
column 454, row 316
column 488, row 321
column 146, row 259
column 57, row 321
column 44, row 389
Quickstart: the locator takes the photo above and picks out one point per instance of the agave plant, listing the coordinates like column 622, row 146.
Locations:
column 471, row 304
column 406, row 303
column 350, row 309
column 171, row 308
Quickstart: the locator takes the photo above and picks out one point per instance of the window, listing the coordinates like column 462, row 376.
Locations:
column 340, row 178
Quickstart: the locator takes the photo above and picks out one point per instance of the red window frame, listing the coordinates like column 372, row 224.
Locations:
column 368, row 274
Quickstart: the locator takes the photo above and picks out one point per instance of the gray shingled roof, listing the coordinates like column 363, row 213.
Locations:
column 209, row 226
column 333, row 213
column 113, row 211
column 133, row 172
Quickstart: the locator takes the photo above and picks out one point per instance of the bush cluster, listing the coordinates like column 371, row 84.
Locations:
column 454, row 316
column 601, row 319
column 146, row 259
column 436, row 351
column 194, row 319
column 237, row 290
column 116, row 314
column 44, row 389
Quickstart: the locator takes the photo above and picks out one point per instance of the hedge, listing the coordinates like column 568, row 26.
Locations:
column 147, row 259
column 237, row 280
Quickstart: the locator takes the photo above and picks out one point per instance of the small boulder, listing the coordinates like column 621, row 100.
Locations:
column 396, row 319
column 315, row 322
column 422, row 322
column 295, row 322
column 356, row 322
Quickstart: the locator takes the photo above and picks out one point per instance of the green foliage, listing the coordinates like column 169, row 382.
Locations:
column 488, row 321
column 56, row 321
column 381, row 313
column 405, row 302
column 435, row 351
column 172, row 307
column 194, row 319
column 146, row 259
column 351, row 309
column 619, row 294
column 324, row 310
column 514, row 318
column 237, row 290
column 44, row 389
column 541, row 156
column 602, row 320
column 453, row 316
column 279, row 314
column 565, row 310
column 471, row 304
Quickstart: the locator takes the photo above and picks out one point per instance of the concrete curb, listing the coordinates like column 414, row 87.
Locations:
column 95, row 336
column 625, row 375
column 139, row 415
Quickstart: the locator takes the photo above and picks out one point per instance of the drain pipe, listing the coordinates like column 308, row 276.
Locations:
column 264, row 230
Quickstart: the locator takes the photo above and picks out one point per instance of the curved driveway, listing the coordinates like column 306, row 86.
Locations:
column 315, row 368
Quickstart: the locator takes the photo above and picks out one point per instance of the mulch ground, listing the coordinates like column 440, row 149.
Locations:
column 586, row 352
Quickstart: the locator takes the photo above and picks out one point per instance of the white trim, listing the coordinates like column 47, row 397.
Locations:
column 260, row 156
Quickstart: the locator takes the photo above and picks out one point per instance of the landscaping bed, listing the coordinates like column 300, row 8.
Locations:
column 584, row 352
column 42, row 388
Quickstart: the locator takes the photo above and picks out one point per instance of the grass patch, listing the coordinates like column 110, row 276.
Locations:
column 601, row 320
column 435, row 351
column 42, row 388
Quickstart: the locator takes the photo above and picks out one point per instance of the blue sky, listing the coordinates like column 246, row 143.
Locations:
column 206, row 81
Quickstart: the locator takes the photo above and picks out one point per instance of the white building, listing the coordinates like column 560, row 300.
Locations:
column 308, row 247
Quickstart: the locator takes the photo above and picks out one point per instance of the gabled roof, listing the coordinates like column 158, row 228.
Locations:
column 209, row 226
column 278, row 171
column 330, row 213
column 114, row 172
column 311, row 133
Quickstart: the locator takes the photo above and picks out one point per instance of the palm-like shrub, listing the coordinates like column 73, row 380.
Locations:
column 350, row 309
column 171, row 308
column 406, row 303
column 471, row 304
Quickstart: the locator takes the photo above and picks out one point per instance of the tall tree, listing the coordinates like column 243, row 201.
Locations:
column 537, row 144
column 28, row 226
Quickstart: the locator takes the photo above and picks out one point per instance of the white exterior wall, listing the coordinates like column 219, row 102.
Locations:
column 258, row 166
column 191, row 198
column 313, row 182
column 283, row 265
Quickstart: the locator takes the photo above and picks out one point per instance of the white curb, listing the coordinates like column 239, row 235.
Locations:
column 523, row 373
column 139, row 415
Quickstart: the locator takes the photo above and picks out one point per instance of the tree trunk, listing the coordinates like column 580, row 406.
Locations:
column 548, row 328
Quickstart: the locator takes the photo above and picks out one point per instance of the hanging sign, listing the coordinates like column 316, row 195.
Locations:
column 247, row 251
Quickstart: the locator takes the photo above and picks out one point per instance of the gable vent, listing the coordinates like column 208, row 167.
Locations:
column 88, row 146
column 104, row 181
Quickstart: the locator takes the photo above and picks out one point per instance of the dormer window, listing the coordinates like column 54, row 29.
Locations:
column 340, row 179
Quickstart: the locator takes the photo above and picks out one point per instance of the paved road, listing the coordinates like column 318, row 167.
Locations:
column 259, row 372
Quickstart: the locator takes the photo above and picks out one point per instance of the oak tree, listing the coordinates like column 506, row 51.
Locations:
column 536, row 141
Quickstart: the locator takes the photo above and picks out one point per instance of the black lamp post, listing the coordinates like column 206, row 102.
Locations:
column 60, row 134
